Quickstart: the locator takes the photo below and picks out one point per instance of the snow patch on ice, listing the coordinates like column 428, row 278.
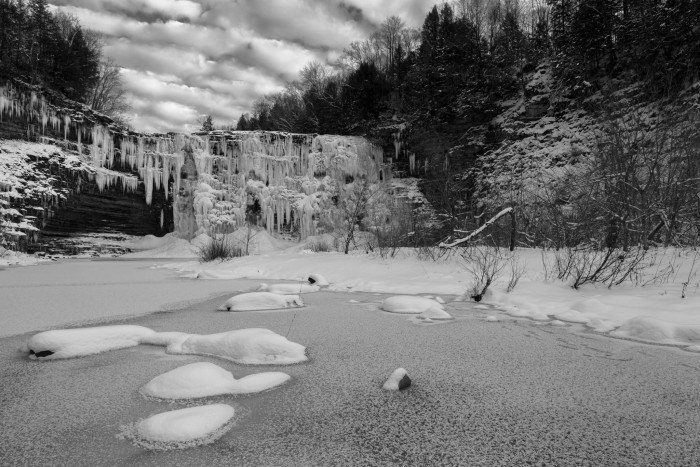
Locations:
column 254, row 301
column 204, row 379
column 79, row 342
column 181, row 429
column 254, row 346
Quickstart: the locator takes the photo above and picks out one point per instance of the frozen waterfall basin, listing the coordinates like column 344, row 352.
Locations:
column 484, row 393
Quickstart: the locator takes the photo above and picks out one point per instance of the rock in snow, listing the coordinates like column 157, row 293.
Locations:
column 318, row 279
column 67, row 343
column 183, row 428
column 290, row 288
column 204, row 379
column 253, row 346
column 397, row 381
column 253, row 301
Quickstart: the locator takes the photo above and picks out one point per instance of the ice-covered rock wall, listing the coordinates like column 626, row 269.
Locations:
column 217, row 180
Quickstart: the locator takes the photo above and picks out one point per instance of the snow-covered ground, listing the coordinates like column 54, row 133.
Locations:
column 653, row 313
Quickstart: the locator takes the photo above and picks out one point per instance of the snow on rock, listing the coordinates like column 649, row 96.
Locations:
column 204, row 379
column 410, row 304
column 397, row 381
column 289, row 289
column 253, row 301
column 183, row 428
column 253, row 346
column 318, row 279
column 79, row 342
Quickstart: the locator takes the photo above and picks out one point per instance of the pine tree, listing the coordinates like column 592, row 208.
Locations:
column 207, row 124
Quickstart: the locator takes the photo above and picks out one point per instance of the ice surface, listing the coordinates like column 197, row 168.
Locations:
column 261, row 301
column 183, row 428
column 205, row 379
column 435, row 314
column 412, row 305
column 253, row 346
column 79, row 342
column 290, row 289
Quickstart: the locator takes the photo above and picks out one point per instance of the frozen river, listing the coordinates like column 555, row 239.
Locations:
column 506, row 393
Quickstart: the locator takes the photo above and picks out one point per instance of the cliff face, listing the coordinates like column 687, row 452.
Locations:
column 129, row 182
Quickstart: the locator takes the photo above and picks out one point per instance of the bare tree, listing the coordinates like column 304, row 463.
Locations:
column 390, row 35
column 109, row 96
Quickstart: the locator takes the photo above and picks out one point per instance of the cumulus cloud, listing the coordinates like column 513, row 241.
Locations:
column 185, row 58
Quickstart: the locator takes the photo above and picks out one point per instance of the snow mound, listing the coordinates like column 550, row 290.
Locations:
column 652, row 330
column 253, row 301
column 492, row 319
column 180, row 429
column 168, row 246
column 410, row 304
column 318, row 279
column 253, row 346
column 205, row 379
column 79, row 342
column 289, row 289
column 397, row 380
column 256, row 241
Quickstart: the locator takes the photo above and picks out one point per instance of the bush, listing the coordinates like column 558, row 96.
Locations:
column 485, row 265
column 585, row 265
column 219, row 248
column 320, row 246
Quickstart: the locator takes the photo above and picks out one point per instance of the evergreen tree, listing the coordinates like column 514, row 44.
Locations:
column 207, row 124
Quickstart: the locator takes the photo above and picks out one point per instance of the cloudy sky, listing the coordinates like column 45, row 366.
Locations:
column 185, row 58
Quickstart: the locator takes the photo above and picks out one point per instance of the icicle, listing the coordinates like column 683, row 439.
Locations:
column 162, row 219
column 411, row 163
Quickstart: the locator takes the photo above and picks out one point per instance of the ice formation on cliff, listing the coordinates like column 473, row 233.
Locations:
column 216, row 179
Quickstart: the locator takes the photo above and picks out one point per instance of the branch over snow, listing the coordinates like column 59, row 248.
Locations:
column 477, row 231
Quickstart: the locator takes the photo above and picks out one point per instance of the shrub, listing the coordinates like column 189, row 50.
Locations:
column 320, row 246
column 485, row 265
column 219, row 248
